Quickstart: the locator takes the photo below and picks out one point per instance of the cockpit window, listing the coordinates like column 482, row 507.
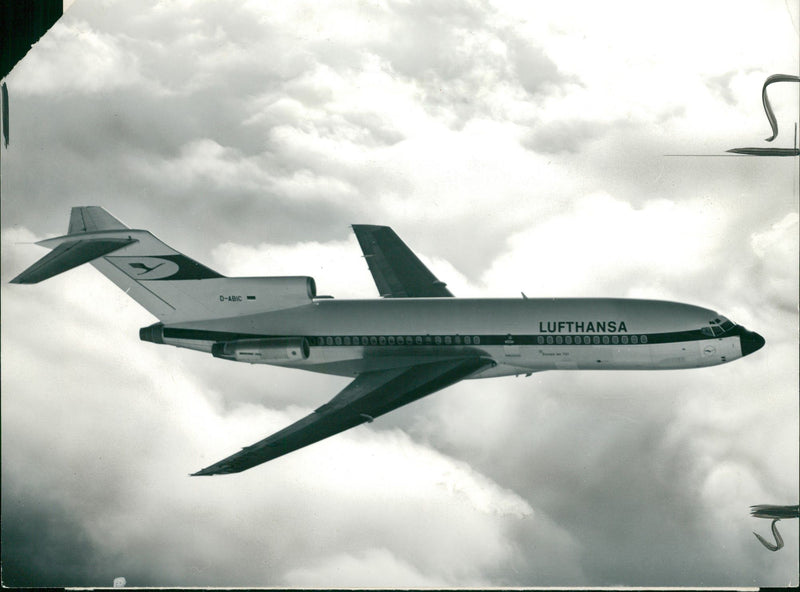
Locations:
column 719, row 326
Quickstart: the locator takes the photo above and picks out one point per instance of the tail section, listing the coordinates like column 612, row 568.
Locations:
column 170, row 285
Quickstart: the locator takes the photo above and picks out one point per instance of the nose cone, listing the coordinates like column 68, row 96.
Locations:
column 751, row 341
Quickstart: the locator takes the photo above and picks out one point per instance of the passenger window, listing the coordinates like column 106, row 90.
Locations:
column 568, row 340
column 329, row 340
column 643, row 338
column 437, row 340
column 447, row 340
column 624, row 339
column 605, row 339
column 373, row 340
column 614, row 339
column 390, row 339
column 457, row 340
column 467, row 340
column 596, row 340
column 540, row 340
column 559, row 340
column 382, row 340
column 337, row 340
column 418, row 339
column 549, row 340
column 587, row 340
column 634, row 339
column 476, row 340
column 400, row 340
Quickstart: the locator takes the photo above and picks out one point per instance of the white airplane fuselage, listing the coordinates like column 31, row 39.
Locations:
column 347, row 337
column 413, row 341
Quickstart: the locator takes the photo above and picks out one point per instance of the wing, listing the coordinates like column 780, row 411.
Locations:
column 371, row 394
column 397, row 271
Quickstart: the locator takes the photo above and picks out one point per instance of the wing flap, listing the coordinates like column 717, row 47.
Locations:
column 370, row 395
column 397, row 271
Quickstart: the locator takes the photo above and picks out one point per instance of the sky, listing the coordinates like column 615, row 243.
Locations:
column 515, row 146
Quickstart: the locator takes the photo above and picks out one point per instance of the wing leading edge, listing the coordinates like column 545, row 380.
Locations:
column 397, row 271
column 370, row 395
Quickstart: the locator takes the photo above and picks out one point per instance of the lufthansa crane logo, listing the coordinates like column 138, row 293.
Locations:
column 146, row 268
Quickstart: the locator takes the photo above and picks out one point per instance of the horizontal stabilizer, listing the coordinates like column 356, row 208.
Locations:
column 68, row 255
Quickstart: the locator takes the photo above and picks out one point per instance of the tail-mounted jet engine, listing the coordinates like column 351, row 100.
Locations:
column 263, row 351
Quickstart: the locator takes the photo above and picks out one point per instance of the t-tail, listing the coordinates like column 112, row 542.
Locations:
column 167, row 283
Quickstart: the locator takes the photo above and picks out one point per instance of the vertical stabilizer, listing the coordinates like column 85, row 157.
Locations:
column 92, row 219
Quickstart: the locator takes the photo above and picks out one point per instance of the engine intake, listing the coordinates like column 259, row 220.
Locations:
column 263, row 351
column 153, row 333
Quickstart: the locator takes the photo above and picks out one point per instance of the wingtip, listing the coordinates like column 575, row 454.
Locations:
column 26, row 278
column 213, row 470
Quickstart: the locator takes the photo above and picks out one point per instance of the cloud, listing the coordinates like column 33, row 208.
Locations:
column 776, row 250
column 513, row 148
column 338, row 265
column 370, row 568
column 564, row 136
column 77, row 59
column 654, row 244
column 61, row 553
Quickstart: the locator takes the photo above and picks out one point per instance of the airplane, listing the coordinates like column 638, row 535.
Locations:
column 413, row 341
